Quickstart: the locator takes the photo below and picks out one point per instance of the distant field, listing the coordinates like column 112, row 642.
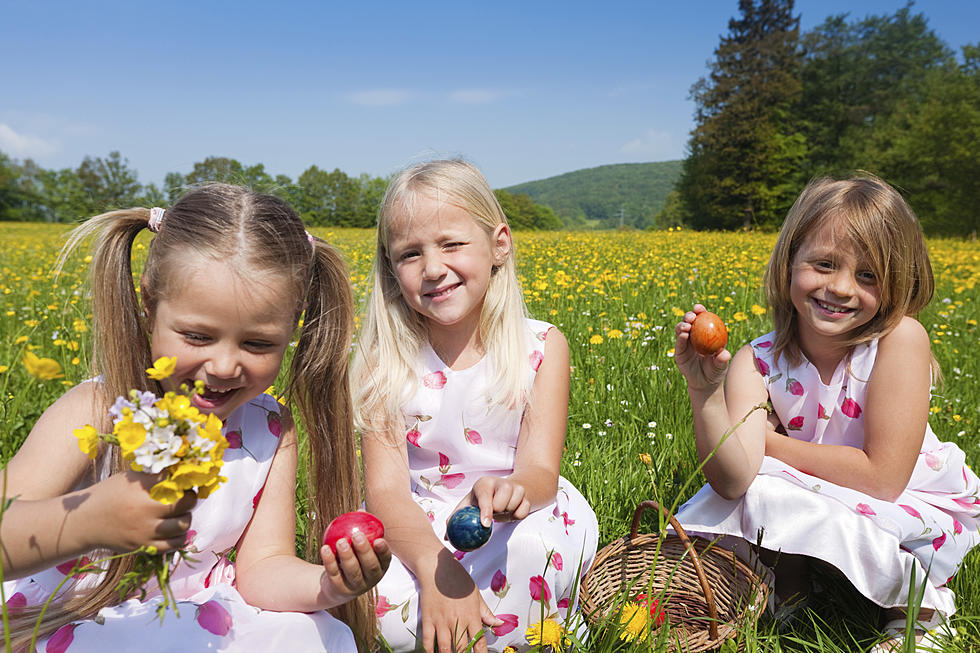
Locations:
column 616, row 296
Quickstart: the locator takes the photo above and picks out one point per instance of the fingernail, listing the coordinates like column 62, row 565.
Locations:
column 343, row 545
column 358, row 538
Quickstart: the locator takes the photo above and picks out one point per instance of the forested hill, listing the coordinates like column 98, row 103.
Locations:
column 624, row 193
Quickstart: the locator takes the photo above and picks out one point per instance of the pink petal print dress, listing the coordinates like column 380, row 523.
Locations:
column 875, row 543
column 213, row 615
column 528, row 567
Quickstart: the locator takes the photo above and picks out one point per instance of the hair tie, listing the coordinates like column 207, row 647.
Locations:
column 156, row 219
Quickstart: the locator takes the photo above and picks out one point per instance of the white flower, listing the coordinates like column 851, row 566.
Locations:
column 652, row 425
column 586, row 426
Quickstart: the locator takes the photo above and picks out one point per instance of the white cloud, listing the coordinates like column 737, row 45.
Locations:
column 475, row 95
column 26, row 145
column 382, row 97
column 652, row 144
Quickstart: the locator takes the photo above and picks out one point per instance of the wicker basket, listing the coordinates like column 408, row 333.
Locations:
column 706, row 591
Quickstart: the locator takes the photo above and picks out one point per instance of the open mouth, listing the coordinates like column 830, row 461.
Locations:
column 212, row 398
column 833, row 308
column 442, row 293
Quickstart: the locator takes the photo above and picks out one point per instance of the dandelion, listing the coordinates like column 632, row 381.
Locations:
column 646, row 459
column 634, row 620
column 757, row 310
column 547, row 633
column 615, row 333
column 45, row 369
column 596, row 339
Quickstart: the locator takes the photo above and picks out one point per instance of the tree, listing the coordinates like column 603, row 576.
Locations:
column 745, row 153
column 855, row 76
column 108, row 183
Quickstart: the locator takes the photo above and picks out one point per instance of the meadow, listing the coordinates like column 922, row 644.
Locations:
column 616, row 296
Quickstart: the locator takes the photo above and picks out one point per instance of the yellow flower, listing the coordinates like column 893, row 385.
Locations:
column 205, row 490
column 740, row 316
column 88, row 440
column 166, row 492
column 3, row 368
column 595, row 339
column 20, row 340
column 677, row 312
column 162, row 368
column 757, row 310
column 634, row 620
column 131, row 434
column 547, row 633
column 179, row 407
column 187, row 474
column 42, row 368
column 615, row 333
column 646, row 459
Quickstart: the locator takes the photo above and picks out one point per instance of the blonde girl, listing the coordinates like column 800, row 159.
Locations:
column 462, row 400
column 846, row 469
column 228, row 274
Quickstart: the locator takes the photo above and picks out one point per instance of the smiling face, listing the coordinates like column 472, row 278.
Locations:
column 443, row 259
column 832, row 287
column 230, row 335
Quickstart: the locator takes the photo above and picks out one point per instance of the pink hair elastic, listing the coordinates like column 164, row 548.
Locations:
column 156, row 219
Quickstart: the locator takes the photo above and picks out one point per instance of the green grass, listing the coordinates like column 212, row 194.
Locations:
column 627, row 397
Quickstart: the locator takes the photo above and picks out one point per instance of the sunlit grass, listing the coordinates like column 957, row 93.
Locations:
column 616, row 296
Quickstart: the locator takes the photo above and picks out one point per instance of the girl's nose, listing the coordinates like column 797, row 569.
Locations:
column 433, row 267
column 224, row 363
column 842, row 283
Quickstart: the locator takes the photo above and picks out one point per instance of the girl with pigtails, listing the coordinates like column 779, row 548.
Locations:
column 228, row 275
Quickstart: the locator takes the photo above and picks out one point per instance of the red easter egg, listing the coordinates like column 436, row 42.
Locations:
column 344, row 526
column 708, row 334
column 656, row 612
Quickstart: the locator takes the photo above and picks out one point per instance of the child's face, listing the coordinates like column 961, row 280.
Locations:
column 833, row 289
column 230, row 334
column 443, row 259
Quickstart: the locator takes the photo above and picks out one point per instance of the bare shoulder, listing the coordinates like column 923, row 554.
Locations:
column 743, row 365
column 908, row 338
column 555, row 342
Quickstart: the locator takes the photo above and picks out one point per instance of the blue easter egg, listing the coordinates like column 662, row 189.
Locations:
column 465, row 531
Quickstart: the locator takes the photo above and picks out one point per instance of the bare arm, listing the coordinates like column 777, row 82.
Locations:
column 534, row 482
column 268, row 573
column 47, row 523
column 895, row 418
column 731, row 464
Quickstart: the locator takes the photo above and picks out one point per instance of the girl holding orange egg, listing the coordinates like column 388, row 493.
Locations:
column 845, row 469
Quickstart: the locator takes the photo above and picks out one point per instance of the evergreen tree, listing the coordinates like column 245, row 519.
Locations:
column 745, row 153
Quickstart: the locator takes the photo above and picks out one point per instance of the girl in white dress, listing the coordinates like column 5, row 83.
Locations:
column 845, row 469
column 463, row 401
column 227, row 276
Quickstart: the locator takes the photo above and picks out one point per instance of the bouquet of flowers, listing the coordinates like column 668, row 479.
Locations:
column 162, row 434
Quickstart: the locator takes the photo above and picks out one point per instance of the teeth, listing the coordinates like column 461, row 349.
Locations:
column 832, row 308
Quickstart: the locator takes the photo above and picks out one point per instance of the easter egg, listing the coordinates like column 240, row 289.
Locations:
column 708, row 334
column 344, row 527
column 465, row 530
column 657, row 613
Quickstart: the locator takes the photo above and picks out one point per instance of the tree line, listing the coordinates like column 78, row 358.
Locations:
column 882, row 94
column 31, row 193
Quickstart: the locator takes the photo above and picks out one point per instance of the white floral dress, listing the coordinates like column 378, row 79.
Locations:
column 213, row 615
column 527, row 568
column 876, row 544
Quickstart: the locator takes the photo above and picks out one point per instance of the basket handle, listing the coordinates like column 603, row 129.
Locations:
column 709, row 596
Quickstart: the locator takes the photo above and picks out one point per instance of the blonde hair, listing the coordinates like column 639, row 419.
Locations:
column 393, row 333
column 259, row 236
column 876, row 221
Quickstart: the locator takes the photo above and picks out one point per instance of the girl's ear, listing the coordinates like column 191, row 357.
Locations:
column 501, row 243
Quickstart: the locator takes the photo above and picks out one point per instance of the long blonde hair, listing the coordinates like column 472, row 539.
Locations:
column 876, row 221
column 391, row 337
column 257, row 234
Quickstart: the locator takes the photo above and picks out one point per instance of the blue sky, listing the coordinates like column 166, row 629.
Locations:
column 525, row 90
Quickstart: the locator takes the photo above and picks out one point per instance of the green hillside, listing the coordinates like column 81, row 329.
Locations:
column 605, row 197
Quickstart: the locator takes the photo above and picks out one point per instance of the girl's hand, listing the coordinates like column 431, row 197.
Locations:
column 498, row 498
column 354, row 570
column 701, row 372
column 123, row 517
column 452, row 609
